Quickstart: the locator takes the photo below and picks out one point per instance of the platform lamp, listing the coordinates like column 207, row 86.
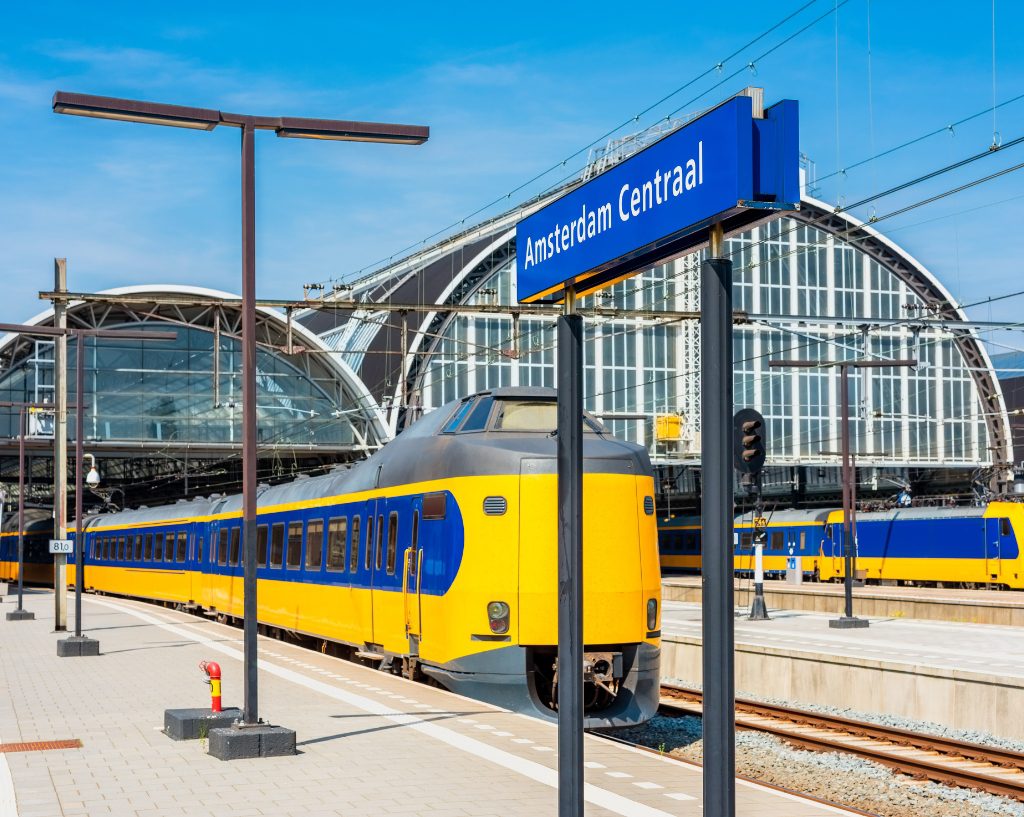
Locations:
column 207, row 119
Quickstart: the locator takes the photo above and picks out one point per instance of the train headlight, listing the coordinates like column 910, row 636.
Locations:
column 652, row 614
column 498, row 616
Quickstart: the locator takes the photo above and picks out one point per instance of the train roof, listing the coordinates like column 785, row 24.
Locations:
column 789, row 516
column 921, row 513
column 424, row 452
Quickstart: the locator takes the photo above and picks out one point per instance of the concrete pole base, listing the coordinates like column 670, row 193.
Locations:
column 20, row 615
column 76, row 646
column 192, row 724
column 245, row 741
column 848, row 623
column 759, row 610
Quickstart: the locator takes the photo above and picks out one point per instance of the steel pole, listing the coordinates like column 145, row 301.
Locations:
column 79, row 478
column 844, row 409
column 717, row 531
column 250, row 713
column 21, row 504
column 570, row 560
column 60, row 447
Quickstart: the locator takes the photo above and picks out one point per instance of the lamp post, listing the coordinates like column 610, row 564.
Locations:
column 847, row 620
column 295, row 127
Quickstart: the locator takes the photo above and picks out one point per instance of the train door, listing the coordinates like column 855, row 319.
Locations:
column 411, row 580
column 209, row 580
column 992, row 550
column 374, row 563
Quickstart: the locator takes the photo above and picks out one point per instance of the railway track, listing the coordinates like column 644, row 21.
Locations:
column 944, row 760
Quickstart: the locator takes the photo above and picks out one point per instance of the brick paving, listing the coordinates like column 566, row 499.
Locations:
column 370, row 743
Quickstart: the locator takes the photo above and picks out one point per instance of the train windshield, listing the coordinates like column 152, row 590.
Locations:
column 532, row 415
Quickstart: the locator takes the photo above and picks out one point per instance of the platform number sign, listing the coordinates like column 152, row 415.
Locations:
column 61, row 546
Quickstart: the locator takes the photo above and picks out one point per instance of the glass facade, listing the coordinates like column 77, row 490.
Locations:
column 182, row 391
column 785, row 269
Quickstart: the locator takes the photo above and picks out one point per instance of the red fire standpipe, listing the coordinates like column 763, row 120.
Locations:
column 212, row 670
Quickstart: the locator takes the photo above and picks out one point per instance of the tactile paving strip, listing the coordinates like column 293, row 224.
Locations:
column 41, row 745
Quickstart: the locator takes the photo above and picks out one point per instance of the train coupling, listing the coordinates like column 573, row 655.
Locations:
column 603, row 669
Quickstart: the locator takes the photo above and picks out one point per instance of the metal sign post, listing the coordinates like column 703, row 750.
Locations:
column 570, row 560
column 733, row 167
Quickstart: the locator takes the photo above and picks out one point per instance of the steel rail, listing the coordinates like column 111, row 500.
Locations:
column 953, row 762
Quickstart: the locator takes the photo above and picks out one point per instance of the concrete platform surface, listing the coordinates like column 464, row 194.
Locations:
column 369, row 743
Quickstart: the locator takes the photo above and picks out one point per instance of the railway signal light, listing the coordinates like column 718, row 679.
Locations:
column 748, row 441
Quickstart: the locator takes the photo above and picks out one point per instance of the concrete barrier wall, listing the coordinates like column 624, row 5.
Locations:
column 959, row 699
column 874, row 603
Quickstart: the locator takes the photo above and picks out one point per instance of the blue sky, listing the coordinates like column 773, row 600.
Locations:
column 508, row 91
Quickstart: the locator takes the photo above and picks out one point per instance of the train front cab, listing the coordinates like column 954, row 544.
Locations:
column 510, row 558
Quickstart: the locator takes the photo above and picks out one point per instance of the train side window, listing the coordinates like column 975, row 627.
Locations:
column 315, row 545
column 120, row 548
column 803, row 540
column 1004, row 527
column 337, row 529
column 392, row 542
column 147, row 553
column 380, row 542
column 778, row 540
column 138, row 547
column 415, row 529
column 477, row 419
column 276, row 544
column 261, row 546
column 353, row 563
column 169, row 547
column 236, row 546
column 182, row 551
column 746, row 541
column 199, row 549
column 434, row 505
column 369, row 542
column 460, row 413
column 294, row 545
column 222, row 547
column 158, row 548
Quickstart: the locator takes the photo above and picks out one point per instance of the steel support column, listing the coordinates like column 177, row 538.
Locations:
column 717, row 531
column 570, row 560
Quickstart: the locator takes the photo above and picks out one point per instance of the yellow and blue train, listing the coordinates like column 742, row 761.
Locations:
column 36, row 558
column 961, row 546
column 435, row 556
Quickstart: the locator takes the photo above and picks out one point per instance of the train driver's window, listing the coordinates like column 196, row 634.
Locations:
column 236, row 540
column 434, row 505
column 294, row 545
column 353, row 562
column 1004, row 527
column 337, row 529
column 315, row 545
column 457, row 418
column 222, row 547
column 147, row 554
column 158, row 548
column 277, row 544
column 477, row 420
column 392, row 542
column 261, row 546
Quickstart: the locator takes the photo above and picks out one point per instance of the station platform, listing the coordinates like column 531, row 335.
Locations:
column 966, row 676
column 1004, row 607
column 369, row 743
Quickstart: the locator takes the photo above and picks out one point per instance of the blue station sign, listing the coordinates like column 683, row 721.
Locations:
column 726, row 167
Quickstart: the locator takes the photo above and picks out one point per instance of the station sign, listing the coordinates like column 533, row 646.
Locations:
column 726, row 167
column 62, row 546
